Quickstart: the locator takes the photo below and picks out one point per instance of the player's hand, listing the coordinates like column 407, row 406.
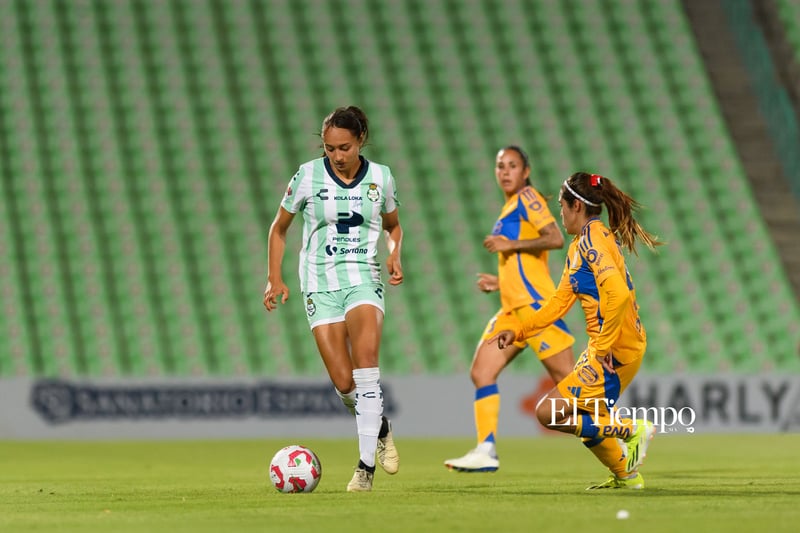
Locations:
column 395, row 270
column 498, row 243
column 608, row 363
column 272, row 292
column 487, row 282
column 503, row 338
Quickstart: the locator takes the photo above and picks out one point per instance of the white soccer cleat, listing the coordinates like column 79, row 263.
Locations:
column 361, row 482
column 474, row 461
column 387, row 454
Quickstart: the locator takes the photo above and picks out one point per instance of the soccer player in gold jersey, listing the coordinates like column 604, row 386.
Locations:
column 521, row 238
column 595, row 274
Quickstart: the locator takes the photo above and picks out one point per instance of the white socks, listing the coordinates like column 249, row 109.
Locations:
column 369, row 409
column 348, row 399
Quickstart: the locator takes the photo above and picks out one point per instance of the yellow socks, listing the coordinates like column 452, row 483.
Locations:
column 610, row 452
column 487, row 412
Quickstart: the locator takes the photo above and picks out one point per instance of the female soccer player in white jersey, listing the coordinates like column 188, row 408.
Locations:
column 595, row 274
column 346, row 201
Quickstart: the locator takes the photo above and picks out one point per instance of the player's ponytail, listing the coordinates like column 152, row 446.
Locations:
column 594, row 191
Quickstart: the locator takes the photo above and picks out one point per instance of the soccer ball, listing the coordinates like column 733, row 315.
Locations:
column 295, row 469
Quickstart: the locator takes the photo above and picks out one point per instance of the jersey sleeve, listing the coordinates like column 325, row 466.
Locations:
column 294, row 199
column 390, row 192
column 536, row 210
column 557, row 306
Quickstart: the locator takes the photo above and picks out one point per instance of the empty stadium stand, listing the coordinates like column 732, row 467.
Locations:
column 145, row 146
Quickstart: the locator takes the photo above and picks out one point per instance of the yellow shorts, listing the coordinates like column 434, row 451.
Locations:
column 592, row 388
column 548, row 342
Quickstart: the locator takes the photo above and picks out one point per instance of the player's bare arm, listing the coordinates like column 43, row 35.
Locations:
column 276, row 288
column 394, row 237
column 503, row 338
column 550, row 238
column 488, row 282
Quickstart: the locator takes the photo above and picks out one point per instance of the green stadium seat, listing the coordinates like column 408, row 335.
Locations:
column 150, row 143
column 14, row 334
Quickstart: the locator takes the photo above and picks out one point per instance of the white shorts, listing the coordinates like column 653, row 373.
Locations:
column 331, row 306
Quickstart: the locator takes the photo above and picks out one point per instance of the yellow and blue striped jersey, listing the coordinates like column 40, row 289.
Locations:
column 595, row 273
column 523, row 278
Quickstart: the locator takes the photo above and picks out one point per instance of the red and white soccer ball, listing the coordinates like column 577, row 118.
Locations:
column 295, row 469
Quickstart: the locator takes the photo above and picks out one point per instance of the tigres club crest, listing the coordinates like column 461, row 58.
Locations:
column 373, row 193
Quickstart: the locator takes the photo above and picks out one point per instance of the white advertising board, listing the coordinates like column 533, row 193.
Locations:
column 420, row 406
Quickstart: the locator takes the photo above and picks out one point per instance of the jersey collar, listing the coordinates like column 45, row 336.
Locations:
column 585, row 227
column 362, row 171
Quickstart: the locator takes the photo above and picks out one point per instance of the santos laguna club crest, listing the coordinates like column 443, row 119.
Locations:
column 310, row 307
column 373, row 193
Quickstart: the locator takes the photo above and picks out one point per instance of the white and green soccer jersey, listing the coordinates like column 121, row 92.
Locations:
column 341, row 223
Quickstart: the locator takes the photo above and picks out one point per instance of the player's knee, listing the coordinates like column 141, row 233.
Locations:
column 344, row 383
column 543, row 412
column 548, row 413
column 560, row 373
column 482, row 376
column 476, row 376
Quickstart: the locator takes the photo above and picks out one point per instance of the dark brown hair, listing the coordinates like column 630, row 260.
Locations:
column 594, row 191
column 350, row 118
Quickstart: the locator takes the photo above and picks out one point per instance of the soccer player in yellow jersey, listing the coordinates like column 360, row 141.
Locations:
column 524, row 232
column 595, row 274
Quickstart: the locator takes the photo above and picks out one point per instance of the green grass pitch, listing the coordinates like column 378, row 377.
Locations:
column 694, row 483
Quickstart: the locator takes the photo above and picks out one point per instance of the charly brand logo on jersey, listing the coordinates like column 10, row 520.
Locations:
column 310, row 307
column 373, row 193
column 322, row 194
